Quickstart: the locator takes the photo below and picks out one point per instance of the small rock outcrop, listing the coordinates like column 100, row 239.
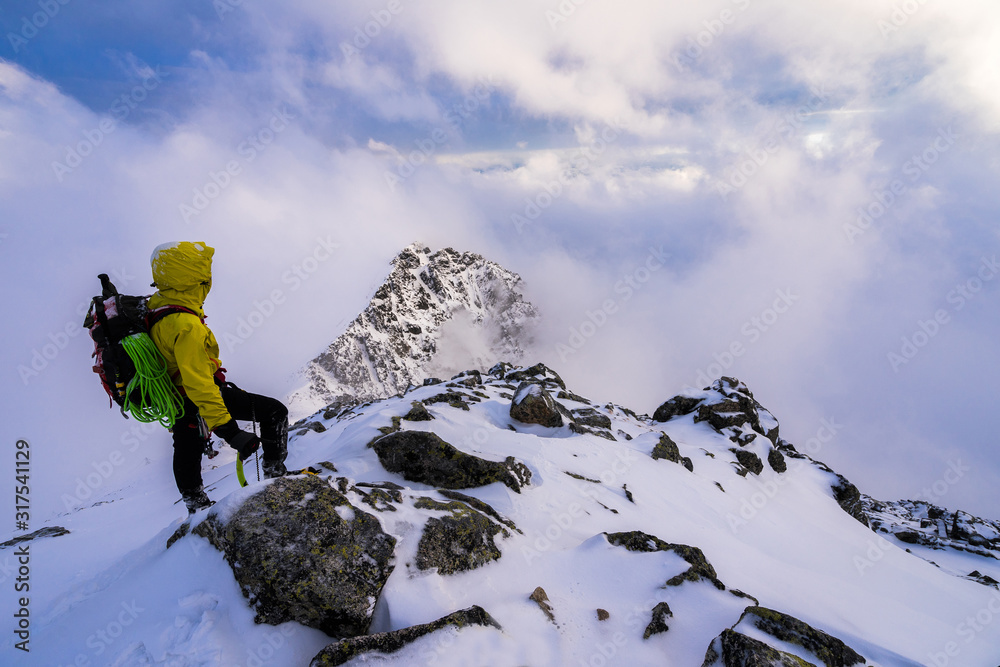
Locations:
column 658, row 624
column 727, row 404
column 733, row 649
column 667, row 449
column 301, row 552
column 390, row 642
column 541, row 598
column 422, row 456
column 700, row 567
column 459, row 541
column 532, row 404
column 832, row 651
column 849, row 498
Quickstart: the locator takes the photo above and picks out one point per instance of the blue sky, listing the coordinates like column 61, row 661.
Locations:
column 566, row 141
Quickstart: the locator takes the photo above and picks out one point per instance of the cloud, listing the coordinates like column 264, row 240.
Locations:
column 751, row 148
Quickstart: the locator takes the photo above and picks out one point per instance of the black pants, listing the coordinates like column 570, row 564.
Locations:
column 190, row 438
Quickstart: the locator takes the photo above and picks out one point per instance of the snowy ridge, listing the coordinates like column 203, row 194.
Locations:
column 436, row 313
column 607, row 527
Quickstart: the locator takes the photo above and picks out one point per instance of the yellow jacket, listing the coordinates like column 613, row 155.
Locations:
column 182, row 274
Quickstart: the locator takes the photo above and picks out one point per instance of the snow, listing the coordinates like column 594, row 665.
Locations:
column 123, row 598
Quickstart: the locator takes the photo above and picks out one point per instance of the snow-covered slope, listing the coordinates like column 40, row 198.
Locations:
column 783, row 538
column 436, row 313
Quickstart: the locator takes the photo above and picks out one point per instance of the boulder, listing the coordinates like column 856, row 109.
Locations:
column 733, row 649
column 421, row 456
column 301, row 552
column 461, row 540
column 532, row 404
column 667, row 449
column 832, row 651
column 676, row 407
column 418, row 413
column 749, row 460
column 849, row 499
column 658, row 624
column 390, row 642
column 539, row 373
column 591, row 417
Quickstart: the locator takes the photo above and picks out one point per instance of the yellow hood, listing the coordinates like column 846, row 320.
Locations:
column 182, row 274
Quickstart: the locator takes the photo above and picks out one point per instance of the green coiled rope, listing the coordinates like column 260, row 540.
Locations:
column 157, row 397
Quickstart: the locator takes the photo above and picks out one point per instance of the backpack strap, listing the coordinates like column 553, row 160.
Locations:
column 154, row 316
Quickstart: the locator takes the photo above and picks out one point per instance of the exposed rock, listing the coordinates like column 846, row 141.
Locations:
column 390, row 642
column 539, row 597
column 849, row 498
column 48, row 531
column 453, row 398
column 314, row 426
column 478, row 504
column 695, row 557
column 391, row 344
column 832, row 651
column 667, row 449
column 732, row 649
column 658, row 624
column 675, row 407
column 603, row 615
column 570, row 396
column 776, row 460
column 590, row 417
column 728, row 406
column 460, row 541
column 540, row 374
column 301, row 552
column 421, row 456
column 584, row 430
column 329, row 466
column 418, row 413
column 532, row 404
column 749, row 460
column 380, row 499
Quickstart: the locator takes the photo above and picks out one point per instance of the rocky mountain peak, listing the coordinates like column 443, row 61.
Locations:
column 436, row 313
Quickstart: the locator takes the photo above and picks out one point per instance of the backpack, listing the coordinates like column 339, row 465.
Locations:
column 131, row 368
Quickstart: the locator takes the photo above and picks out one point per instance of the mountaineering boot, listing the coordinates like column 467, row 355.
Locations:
column 195, row 499
column 274, row 469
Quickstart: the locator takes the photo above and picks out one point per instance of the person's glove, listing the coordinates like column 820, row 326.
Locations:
column 244, row 443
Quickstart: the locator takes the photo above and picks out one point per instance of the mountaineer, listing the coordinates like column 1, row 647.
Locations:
column 182, row 275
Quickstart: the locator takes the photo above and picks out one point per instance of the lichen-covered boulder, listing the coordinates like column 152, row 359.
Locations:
column 831, row 651
column 301, row 552
column 533, row 405
column 390, row 642
column 658, row 623
column 461, row 540
column 733, row 649
column 676, row 407
column 418, row 413
column 591, row 417
column 667, row 449
column 422, row 456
